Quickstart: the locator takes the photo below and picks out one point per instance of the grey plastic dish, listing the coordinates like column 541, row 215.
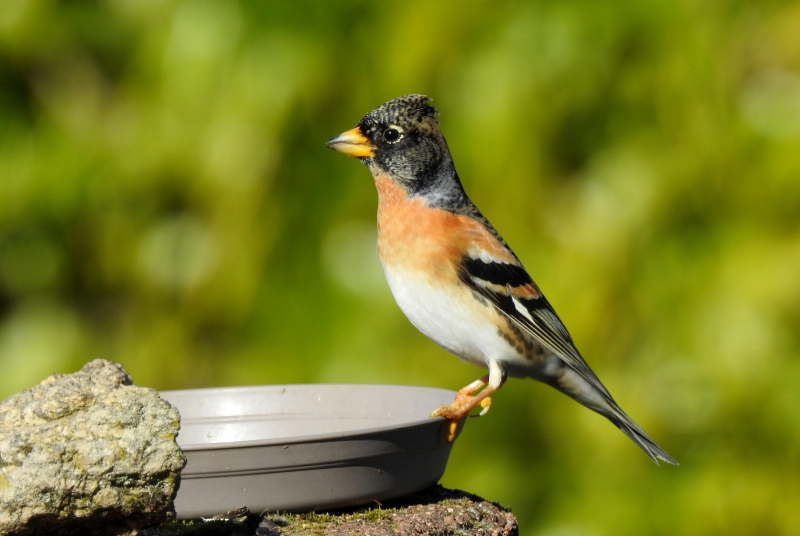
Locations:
column 306, row 447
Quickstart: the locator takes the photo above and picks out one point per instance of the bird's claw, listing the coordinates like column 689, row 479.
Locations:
column 486, row 403
column 453, row 414
column 449, row 431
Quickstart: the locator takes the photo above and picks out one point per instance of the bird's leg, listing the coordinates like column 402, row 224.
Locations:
column 463, row 395
column 464, row 401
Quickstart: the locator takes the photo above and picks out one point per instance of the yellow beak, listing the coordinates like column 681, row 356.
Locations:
column 352, row 143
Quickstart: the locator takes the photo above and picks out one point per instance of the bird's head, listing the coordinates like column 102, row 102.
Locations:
column 400, row 138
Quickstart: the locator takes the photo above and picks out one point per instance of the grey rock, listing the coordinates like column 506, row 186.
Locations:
column 87, row 452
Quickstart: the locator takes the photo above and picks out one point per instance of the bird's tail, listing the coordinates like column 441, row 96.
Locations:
column 597, row 398
column 632, row 430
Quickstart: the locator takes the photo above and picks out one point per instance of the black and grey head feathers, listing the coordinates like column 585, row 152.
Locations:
column 410, row 148
column 405, row 134
column 406, row 111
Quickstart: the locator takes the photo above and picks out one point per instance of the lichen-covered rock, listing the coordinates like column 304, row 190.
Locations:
column 87, row 452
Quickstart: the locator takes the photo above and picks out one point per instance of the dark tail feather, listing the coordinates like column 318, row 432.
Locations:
column 574, row 384
column 632, row 430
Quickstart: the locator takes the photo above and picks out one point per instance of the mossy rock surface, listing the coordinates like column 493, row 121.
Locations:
column 436, row 511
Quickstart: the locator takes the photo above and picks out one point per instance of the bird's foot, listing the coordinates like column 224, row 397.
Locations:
column 459, row 408
column 453, row 413
column 462, row 404
column 457, row 411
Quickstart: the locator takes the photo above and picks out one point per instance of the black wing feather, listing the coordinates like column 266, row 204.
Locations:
column 543, row 324
column 497, row 273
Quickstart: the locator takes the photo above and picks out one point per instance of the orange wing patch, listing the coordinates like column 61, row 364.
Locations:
column 528, row 292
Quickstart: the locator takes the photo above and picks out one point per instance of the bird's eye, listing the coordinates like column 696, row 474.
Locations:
column 391, row 134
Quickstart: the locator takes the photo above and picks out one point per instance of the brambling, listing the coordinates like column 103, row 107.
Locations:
column 454, row 276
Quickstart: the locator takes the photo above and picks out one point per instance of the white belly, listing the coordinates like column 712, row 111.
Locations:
column 459, row 323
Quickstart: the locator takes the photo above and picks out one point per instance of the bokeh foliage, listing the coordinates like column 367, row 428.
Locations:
column 166, row 201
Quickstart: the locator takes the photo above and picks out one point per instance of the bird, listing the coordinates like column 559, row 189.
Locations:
column 456, row 279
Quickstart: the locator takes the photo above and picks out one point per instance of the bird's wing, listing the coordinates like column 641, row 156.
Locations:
column 511, row 290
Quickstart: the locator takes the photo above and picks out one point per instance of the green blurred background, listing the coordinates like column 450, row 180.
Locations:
column 167, row 202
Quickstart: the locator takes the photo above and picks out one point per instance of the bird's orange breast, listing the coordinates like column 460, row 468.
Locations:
column 414, row 236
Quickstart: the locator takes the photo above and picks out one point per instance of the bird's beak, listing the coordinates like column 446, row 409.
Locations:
column 352, row 143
